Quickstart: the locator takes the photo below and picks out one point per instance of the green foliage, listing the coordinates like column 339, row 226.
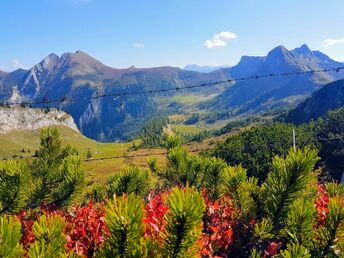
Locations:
column 96, row 193
column 55, row 176
column 255, row 148
column 15, row 182
column 184, row 223
column 57, row 172
column 213, row 176
column 124, row 217
column 200, row 171
column 241, row 188
column 263, row 230
column 10, row 235
column 89, row 154
column 153, row 165
column 173, row 141
column 334, row 189
column 300, row 222
column 286, row 182
column 49, row 237
column 152, row 133
column 330, row 134
column 130, row 180
column 329, row 238
column 295, row 251
column 182, row 168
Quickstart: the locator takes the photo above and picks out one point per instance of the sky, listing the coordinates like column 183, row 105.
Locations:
column 148, row 33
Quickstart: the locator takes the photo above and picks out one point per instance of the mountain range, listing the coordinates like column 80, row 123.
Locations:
column 279, row 91
column 78, row 75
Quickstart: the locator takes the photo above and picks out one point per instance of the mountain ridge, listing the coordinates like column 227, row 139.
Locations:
column 79, row 75
column 270, row 93
column 329, row 97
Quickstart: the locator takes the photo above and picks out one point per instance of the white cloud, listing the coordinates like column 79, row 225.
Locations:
column 14, row 65
column 220, row 39
column 138, row 45
column 331, row 42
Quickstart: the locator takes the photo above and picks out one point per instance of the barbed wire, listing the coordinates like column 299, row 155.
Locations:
column 65, row 98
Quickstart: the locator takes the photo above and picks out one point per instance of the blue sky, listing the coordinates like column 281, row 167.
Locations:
column 148, row 33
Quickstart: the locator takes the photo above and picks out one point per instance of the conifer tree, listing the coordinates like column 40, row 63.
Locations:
column 10, row 235
column 49, row 238
column 184, row 223
column 124, row 216
column 54, row 177
column 130, row 180
column 57, row 171
column 15, row 185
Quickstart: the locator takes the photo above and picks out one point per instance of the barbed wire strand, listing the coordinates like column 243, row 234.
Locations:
column 118, row 94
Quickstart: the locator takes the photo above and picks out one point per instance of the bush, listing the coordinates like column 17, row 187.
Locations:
column 130, row 180
column 55, row 177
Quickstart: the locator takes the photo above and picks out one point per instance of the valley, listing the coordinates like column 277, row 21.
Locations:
column 78, row 79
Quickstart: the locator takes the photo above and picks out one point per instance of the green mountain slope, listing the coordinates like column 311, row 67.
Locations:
column 331, row 96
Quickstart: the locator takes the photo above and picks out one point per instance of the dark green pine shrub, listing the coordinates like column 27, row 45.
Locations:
column 54, row 177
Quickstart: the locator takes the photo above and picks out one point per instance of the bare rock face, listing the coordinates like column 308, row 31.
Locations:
column 18, row 118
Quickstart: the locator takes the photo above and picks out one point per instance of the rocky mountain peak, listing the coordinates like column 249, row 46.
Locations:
column 304, row 49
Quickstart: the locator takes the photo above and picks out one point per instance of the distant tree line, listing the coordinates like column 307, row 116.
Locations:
column 152, row 133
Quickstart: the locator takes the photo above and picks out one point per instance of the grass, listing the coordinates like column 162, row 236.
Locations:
column 191, row 129
column 23, row 143
column 99, row 168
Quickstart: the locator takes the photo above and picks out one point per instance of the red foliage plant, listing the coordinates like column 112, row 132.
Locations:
column 155, row 211
column 321, row 204
column 218, row 222
column 85, row 227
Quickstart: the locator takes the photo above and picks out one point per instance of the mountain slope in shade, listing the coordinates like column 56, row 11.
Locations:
column 2, row 74
column 330, row 96
column 9, row 82
column 78, row 75
column 275, row 92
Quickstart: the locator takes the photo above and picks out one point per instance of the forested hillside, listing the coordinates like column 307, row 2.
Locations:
column 331, row 96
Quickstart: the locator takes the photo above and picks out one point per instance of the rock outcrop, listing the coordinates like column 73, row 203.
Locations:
column 19, row 118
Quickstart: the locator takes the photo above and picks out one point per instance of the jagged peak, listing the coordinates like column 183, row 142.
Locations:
column 303, row 49
column 279, row 49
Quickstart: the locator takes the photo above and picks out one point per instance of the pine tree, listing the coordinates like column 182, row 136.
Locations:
column 184, row 223
column 130, row 180
column 55, row 176
column 329, row 238
column 124, row 217
column 57, row 172
column 15, row 186
column 286, row 182
column 49, row 238
column 10, row 235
